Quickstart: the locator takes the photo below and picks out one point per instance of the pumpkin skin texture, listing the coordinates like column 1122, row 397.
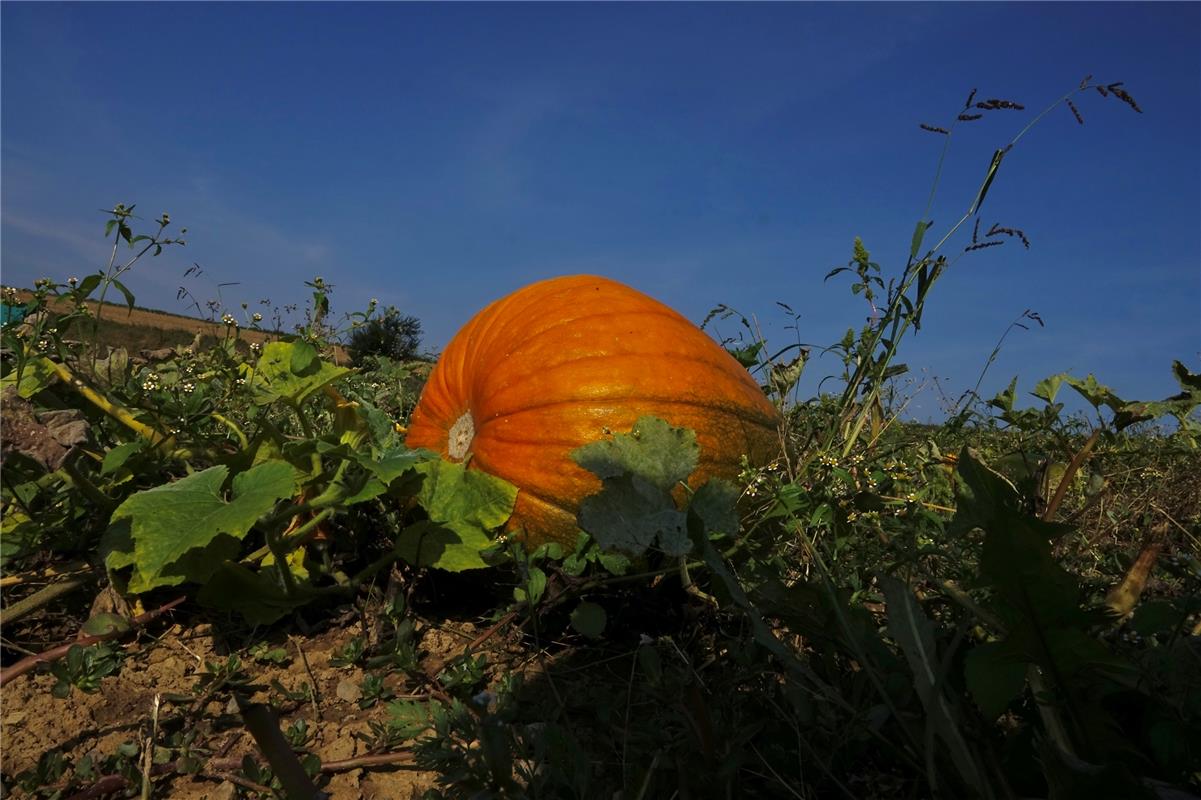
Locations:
column 566, row 361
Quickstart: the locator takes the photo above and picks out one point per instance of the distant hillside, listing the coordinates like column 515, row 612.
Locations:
column 144, row 328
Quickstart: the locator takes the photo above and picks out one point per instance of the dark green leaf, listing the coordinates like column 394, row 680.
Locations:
column 257, row 596
column 303, row 356
column 914, row 632
column 589, row 619
column 995, row 676
column 90, row 282
column 129, row 298
column 1156, row 616
column 115, row 459
column 630, row 514
column 1187, row 379
column 988, row 179
column 453, row 547
column 919, row 233
column 715, row 505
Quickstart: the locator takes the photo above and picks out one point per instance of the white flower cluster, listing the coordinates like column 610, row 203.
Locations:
column 151, row 382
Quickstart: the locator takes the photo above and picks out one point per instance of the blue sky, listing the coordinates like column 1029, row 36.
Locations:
column 439, row 156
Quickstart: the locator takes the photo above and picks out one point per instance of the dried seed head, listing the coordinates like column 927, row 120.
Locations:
column 969, row 117
column 1117, row 91
column 1084, row 83
column 1075, row 112
column 994, row 103
column 997, row 230
column 981, row 246
column 933, row 129
column 970, row 98
column 1102, row 91
column 976, row 231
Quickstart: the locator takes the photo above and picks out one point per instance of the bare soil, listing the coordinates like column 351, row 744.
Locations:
column 168, row 661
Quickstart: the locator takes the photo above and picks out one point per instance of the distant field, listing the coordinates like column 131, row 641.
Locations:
column 148, row 329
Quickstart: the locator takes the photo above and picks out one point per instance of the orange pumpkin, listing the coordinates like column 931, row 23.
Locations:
column 566, row 361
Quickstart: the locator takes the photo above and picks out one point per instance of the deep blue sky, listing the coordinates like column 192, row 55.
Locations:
column 439, row 156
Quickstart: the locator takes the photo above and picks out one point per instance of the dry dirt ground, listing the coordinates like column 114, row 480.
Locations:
column 168, row 659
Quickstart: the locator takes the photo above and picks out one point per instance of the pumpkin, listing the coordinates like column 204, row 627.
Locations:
column 567, row 361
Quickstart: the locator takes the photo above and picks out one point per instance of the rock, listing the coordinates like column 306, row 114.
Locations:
column 348, row 691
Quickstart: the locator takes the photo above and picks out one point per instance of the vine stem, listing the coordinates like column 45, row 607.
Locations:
column 1070, row 473
column 44, row 597
column 55, row 653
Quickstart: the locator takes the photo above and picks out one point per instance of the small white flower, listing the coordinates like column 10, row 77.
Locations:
column 643, row 639
column 257, row 317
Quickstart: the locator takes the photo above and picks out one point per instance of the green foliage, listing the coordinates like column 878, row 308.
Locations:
column 393, row 335
column 84, row 668
column 463, row 506
column 289, row 371
column 166, row 523
column 635, row 511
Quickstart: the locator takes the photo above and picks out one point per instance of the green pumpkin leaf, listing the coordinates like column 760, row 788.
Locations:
column 715, row 505
column 1048, row 388
column 985, row 498
column 629, row 514
column 1096, row 394
column 463, row 505
column 452, row 493
column 653, row 450
column 381, row 472
column 275, row 376
column 167, row 522
column 257, row 596
column 454, row 547
column 36, row 375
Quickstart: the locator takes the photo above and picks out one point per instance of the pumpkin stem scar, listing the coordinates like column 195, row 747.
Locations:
column 461, row 435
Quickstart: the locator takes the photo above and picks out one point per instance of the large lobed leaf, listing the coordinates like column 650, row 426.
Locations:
column 634, row 511
column 169, row 526
column 653, row 450
column 463, row 507
column 289, row 371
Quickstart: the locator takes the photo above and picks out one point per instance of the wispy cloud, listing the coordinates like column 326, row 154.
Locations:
column 72, row 237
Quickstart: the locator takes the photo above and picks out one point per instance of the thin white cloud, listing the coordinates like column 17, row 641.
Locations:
column 88, row 245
